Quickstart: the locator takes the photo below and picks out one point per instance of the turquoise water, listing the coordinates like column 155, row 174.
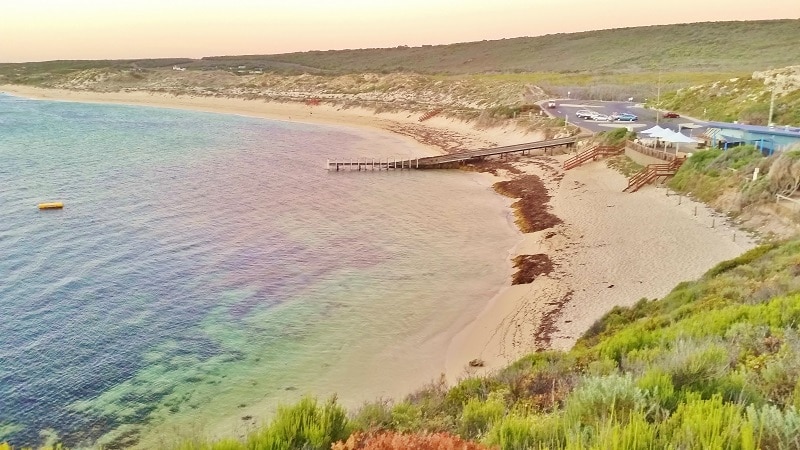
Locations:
column 207, row 267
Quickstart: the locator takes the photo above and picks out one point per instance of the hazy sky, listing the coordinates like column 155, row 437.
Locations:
column 35, row 30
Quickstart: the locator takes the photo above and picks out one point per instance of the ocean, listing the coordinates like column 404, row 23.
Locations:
column 206, row 268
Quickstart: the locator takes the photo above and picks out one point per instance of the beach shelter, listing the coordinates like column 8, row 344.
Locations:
column 677, row 138
column 660, row 134
column 654, row 132
column 654, row 129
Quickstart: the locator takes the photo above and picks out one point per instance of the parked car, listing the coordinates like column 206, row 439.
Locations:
column 585, row 114
column 601, row 118
column 551, row 104
column 671, row 115
column 624, row 117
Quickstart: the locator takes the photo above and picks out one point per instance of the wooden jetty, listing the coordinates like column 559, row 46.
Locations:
column 446, row 161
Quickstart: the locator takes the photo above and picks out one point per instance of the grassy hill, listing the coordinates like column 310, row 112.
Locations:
column 736, row 47
column 746, row 99
column 698, row 47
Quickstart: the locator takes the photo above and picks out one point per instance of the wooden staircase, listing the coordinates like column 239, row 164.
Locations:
column 653, row 172
column 593, row 153
column 430, row 114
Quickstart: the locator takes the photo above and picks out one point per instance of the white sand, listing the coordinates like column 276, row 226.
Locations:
column 613, row 248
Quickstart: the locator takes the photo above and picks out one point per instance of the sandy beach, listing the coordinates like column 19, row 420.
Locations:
column 436, row 136
column 613, row 248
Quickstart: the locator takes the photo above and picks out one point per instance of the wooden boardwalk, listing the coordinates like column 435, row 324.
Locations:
column 445, row 161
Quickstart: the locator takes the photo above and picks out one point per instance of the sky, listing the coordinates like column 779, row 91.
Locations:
column 38, row 30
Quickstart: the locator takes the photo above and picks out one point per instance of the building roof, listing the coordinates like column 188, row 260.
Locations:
column 757, row 129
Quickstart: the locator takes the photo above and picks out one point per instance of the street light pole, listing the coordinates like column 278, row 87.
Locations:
column 771, row 107
column 658, row 97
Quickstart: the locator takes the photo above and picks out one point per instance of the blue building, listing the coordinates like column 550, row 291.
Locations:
column 768, row 139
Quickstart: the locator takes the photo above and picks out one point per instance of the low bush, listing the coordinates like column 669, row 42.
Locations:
column 305, row 425
column 479, row 416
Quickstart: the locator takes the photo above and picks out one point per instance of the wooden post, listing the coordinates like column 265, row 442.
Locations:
column 417, row 163
column 695, row 211
column 714, row 222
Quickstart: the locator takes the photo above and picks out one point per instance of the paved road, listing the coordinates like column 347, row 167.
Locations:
column 647, row 117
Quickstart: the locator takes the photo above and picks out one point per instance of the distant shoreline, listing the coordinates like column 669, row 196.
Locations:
column 459, row 134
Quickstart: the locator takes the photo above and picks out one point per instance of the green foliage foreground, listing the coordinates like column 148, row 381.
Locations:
column 714, row 364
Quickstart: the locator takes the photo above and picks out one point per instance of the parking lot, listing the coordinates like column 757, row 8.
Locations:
column 647, row 118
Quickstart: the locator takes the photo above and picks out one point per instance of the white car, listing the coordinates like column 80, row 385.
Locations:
column 601, row 118
column 585, row 114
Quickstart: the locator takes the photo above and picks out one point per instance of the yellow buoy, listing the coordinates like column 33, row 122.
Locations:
column 51, row 205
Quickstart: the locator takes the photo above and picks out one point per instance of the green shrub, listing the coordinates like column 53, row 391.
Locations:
column 598, row 399
column 657, row 384
column 406, row 417
column 775, row 428
column 706, row 424
column 632, row 434
column 515, row 432
column 479, row 416
column 694, row 365
column 468, row 390
column 305, row 426
column 745, row 258
column 374, row 416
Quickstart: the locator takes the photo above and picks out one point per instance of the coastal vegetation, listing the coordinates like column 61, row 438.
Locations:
column 725, row 180
column 745, row 99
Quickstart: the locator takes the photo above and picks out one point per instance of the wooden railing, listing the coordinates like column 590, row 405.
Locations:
column 592, row 153
column 653, row 172
column 649, row 151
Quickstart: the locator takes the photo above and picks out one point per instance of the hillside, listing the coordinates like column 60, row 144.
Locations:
column 737, row 47
column 699, row 47
column 744, row 99
column 718, row 46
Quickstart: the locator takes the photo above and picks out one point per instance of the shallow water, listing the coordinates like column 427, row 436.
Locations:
column 207, row 267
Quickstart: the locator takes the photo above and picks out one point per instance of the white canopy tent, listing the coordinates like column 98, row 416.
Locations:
column 657, row 133
column 655, row 129
column 677, row 138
